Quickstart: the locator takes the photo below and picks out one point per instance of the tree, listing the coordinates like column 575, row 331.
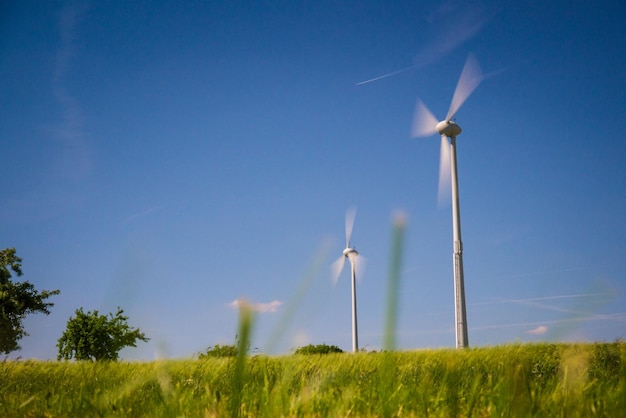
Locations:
column 318, row 349
column 92, row 336
column 219, row 351
column 17, row 299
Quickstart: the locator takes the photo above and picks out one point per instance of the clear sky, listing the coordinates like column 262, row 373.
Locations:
column 171, row 158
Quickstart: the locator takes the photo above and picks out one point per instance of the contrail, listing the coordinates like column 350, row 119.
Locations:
column 142, row 213
column 575, row 314
column 532, row 300
column 76, row 158
column 539, row 273
column 452, row 25
column 386, row 75
column 620, row 316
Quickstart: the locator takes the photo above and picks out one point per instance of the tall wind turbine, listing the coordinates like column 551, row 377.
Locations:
column 337, row 267
column 425, row 124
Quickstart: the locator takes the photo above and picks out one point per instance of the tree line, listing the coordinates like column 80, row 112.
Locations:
column 87, row 336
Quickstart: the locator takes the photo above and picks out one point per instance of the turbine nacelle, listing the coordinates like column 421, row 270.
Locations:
column 350, row 252
column 448, row 128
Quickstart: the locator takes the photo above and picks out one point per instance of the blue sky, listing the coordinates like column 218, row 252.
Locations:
column 171, row 158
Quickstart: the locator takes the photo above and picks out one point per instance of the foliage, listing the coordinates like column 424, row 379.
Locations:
column 494, row 381
column 607, row 361
column 17, row 299
column 318, row 349
column 92, row 336
column 219, row 351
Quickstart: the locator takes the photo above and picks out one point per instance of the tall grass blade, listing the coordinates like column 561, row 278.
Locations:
column 319, row 260
column 243, row 344
column 393, row 283
column 387, row 389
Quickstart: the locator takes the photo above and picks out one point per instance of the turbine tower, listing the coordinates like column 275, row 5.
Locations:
column 425, row 124
column 337, row 267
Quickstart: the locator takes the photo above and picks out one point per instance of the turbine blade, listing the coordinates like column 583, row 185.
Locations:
column 350, row 215
column 424, row 122
column 470, row 78
column 336, row 268
column 444, row 195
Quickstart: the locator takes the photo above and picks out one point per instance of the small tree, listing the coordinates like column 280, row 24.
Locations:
column 91, row 336
column 17, row 299
column 318, row 349
column 219, row 351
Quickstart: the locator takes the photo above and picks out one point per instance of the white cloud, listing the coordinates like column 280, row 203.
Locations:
column 258, row 307
column 540, row 330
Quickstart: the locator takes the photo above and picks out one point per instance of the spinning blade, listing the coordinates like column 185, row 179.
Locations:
column 470, row 78
column 350, row 215
column 336, row 268
column 424, row 122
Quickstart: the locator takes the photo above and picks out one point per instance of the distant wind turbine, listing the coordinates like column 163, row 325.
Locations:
column 425, row 124
column 337, row 267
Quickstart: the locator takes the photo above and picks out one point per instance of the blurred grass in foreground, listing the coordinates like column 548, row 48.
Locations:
column 512, row 380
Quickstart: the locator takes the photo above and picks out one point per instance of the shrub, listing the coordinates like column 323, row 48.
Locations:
column 606, row 362
column 219, row 351
column 318, row 349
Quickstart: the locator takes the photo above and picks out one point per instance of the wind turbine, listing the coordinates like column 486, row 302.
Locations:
column 337, row 267
column 425, row 124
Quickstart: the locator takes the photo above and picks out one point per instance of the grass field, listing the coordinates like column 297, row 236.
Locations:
column 551, row 380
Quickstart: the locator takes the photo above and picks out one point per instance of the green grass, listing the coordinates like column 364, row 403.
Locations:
column 550, row 380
